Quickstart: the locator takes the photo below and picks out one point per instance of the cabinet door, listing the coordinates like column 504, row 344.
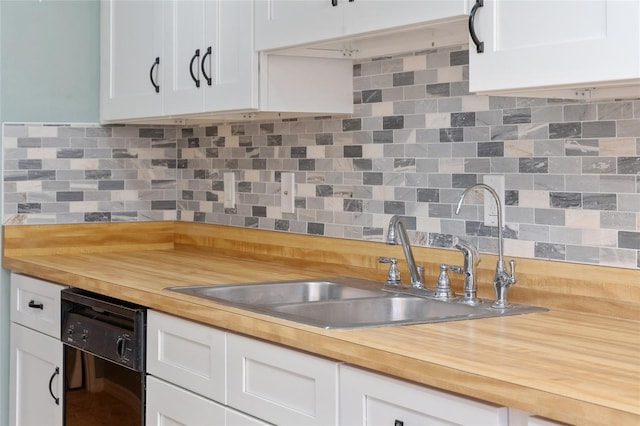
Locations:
column 131, row 43
column 522, row 418
column 370, row 399
column 167, row 404
column 211, row 64
column 232, row 65
column 183, row 48
column 186, row 353
column 373, row 15
column 532, row 43
column 279, row 385
column 236, row 418
column 285, row 23
column 36, row 304
column 36, row 378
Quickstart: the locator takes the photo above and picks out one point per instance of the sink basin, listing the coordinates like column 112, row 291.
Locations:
column 280, row 292
column 344, row 303
column 375, row 312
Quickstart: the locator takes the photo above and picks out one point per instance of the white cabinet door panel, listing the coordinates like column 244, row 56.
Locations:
column 373, row 15
column 169, row 405
column 188, row 354
column 280, row 385
column 371, row 399
column 232, row 64
column 36, row 378
column 281, row 23
column 184, row 37
column 235, row 418
column 542, row 43
column 290, row 23
column 131, row 41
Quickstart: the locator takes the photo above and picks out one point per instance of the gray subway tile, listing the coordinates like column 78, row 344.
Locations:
column 599, row 201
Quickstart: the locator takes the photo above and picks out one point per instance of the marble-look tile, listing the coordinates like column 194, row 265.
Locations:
column 599, row 201
column 628, row 239
column 417, row 136
column 600, row 165
column 550, row 251
column 565, row 130
column 516, row 116
column 565, row 200
column 582, row 147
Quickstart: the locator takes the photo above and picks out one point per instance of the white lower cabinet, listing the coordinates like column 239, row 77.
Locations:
column 36, row 384
column 187, row 354
column 168, row 404
column 280, row 385
column 200, row 375
column 36, row 378
column 186, row 381
column 370, row 399
column 522, row 418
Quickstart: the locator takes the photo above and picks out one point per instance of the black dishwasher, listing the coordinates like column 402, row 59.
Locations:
column 104, row 359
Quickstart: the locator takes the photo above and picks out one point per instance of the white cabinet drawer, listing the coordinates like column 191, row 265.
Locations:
column 186, row 353
column 36, row 304
column 523, row 418
column 170, row 405
column 368, row 399
column 280, row 385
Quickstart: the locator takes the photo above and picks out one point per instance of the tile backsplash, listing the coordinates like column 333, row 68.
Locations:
column 416, row 139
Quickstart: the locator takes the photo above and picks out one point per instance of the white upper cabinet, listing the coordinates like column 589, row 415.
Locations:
column 284, row 23
column 210, row 62
column 354, row 28
column 374, row 15
column 560, row 48
column 179, row 61
column 131, row 59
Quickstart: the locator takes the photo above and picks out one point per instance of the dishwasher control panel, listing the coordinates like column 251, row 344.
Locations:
column 105, row 327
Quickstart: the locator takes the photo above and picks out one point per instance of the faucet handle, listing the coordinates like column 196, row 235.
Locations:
column 443, row 288
column 393, row 276
column 512, row 271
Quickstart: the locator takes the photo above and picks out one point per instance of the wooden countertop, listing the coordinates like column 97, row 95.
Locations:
column 570, row 366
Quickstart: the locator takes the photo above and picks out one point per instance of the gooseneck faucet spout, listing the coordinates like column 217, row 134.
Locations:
column 502, row 279
column 397, row 233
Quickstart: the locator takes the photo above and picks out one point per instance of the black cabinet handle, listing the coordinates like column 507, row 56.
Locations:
column 398, row 423
column 55, row 373
column 204, row 72
column 36, row 305
column 153, row 82
column 334, row 3
column 472, row 29
column 193, row 77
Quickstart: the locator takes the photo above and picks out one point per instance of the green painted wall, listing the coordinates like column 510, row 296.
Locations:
column 49, row 72
column 50, row 60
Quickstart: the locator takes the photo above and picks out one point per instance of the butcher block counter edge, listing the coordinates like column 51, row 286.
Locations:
column 40, row 250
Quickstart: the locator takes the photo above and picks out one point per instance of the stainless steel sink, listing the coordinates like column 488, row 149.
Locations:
column 282, row 292
column 344, row 303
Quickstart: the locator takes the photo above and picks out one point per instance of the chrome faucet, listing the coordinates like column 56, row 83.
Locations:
column 502, row 279
column 397, row 234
